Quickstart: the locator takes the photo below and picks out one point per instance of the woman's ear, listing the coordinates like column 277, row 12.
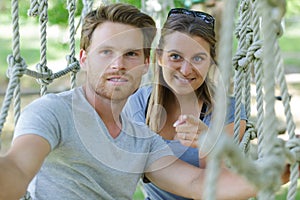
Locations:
column 82, row 58
column 158, row 54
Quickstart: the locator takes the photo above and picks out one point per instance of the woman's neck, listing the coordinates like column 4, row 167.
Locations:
column 186, row 104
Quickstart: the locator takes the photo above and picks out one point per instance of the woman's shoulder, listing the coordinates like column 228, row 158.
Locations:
column 143, row 91
column 137, row 103
column 141, row 95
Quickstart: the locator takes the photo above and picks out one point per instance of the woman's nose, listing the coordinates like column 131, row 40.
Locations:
column 186, row 67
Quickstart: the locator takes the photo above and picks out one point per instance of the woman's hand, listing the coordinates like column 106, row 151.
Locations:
column 188, row 129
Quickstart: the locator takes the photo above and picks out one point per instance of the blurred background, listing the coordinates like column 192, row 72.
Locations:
column 58, row 48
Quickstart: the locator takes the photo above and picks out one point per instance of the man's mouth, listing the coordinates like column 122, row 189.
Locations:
column 117, row 79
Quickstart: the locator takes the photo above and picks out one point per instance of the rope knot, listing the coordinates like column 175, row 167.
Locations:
column 277, row 13
column 240, row 60
column 48, row 75
column 42, row 10
column 71, row 5
column 293, row 145
column 15, row 68
column 73, row 62
column 34, row 7
column 250, row 127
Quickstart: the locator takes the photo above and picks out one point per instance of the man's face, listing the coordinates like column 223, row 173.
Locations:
column 114, row 61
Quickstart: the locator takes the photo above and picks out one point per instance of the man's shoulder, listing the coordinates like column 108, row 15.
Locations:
column 53, row 99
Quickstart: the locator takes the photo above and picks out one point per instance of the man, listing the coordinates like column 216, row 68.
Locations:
column 77, row 144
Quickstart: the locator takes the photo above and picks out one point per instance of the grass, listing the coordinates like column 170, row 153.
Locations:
column 282, row 193
column 57, row 47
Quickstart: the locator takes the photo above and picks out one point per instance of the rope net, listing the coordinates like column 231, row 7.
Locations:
column 257, row 31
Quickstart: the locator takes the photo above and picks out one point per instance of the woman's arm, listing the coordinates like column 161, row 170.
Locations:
column 178, row 177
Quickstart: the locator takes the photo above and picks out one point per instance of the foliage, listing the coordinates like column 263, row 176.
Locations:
column 58, row 13
column 293, row 8
column 57, row 10
column 136, row 3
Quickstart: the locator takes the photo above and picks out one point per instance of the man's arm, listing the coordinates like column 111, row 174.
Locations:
column 22, row 161
column 173, row 175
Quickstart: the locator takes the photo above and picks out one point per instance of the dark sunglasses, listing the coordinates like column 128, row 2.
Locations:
column 207, row 18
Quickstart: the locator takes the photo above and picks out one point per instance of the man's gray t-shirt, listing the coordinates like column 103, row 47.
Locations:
column 85, row 162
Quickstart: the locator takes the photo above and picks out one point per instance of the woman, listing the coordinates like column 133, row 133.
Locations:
column 179, row 104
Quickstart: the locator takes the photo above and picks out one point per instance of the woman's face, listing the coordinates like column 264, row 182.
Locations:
column 185, row 61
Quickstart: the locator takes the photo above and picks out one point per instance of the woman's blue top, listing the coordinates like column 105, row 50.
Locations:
column 136, row 107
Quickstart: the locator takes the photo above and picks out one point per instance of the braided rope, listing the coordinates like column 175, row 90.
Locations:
column 256, row 47
column 17, row 56
column 14, row 62
column 216, row 129
column 271, row 149
column 240, row 65
column 289, row 121
column 71, row 58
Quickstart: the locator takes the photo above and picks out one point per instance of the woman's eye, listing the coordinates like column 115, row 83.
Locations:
column 175, row 57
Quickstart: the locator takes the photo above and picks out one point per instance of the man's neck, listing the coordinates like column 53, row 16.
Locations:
column 108, row 110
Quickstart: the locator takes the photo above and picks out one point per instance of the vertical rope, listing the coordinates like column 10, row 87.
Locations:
column 241, row 64
column 71, row 58
column 258, row 71
column 289, row 119
column 269, row 131
column 17, row 56
column 42, row 66
column 225, row 60
column 15, row 64
column 87, row 7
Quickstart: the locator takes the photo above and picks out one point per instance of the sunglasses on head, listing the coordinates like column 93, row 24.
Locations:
column 207, row 18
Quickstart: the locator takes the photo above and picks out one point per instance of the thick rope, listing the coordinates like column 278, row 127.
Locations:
column 273, row 151
column 256, row 47
column 216, row 129
column 14, row 62
column 72, row 58
column 240, row 66
column 289, row 121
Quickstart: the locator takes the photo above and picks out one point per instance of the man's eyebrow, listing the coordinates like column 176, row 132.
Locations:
column 104, row 47
column 134, row 49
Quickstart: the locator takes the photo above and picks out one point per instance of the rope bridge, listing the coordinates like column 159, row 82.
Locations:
column 257, row 31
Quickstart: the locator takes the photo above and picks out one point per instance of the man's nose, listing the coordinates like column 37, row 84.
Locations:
column 118, row 63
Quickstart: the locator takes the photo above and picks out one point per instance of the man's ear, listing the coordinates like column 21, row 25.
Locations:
column 147, row 63
column 82, row 58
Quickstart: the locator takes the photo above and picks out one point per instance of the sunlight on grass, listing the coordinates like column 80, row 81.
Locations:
column 282, row 193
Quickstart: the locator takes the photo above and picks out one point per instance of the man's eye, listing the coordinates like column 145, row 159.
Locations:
column 131, row 54
column 106, row 52
column 197, row 58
